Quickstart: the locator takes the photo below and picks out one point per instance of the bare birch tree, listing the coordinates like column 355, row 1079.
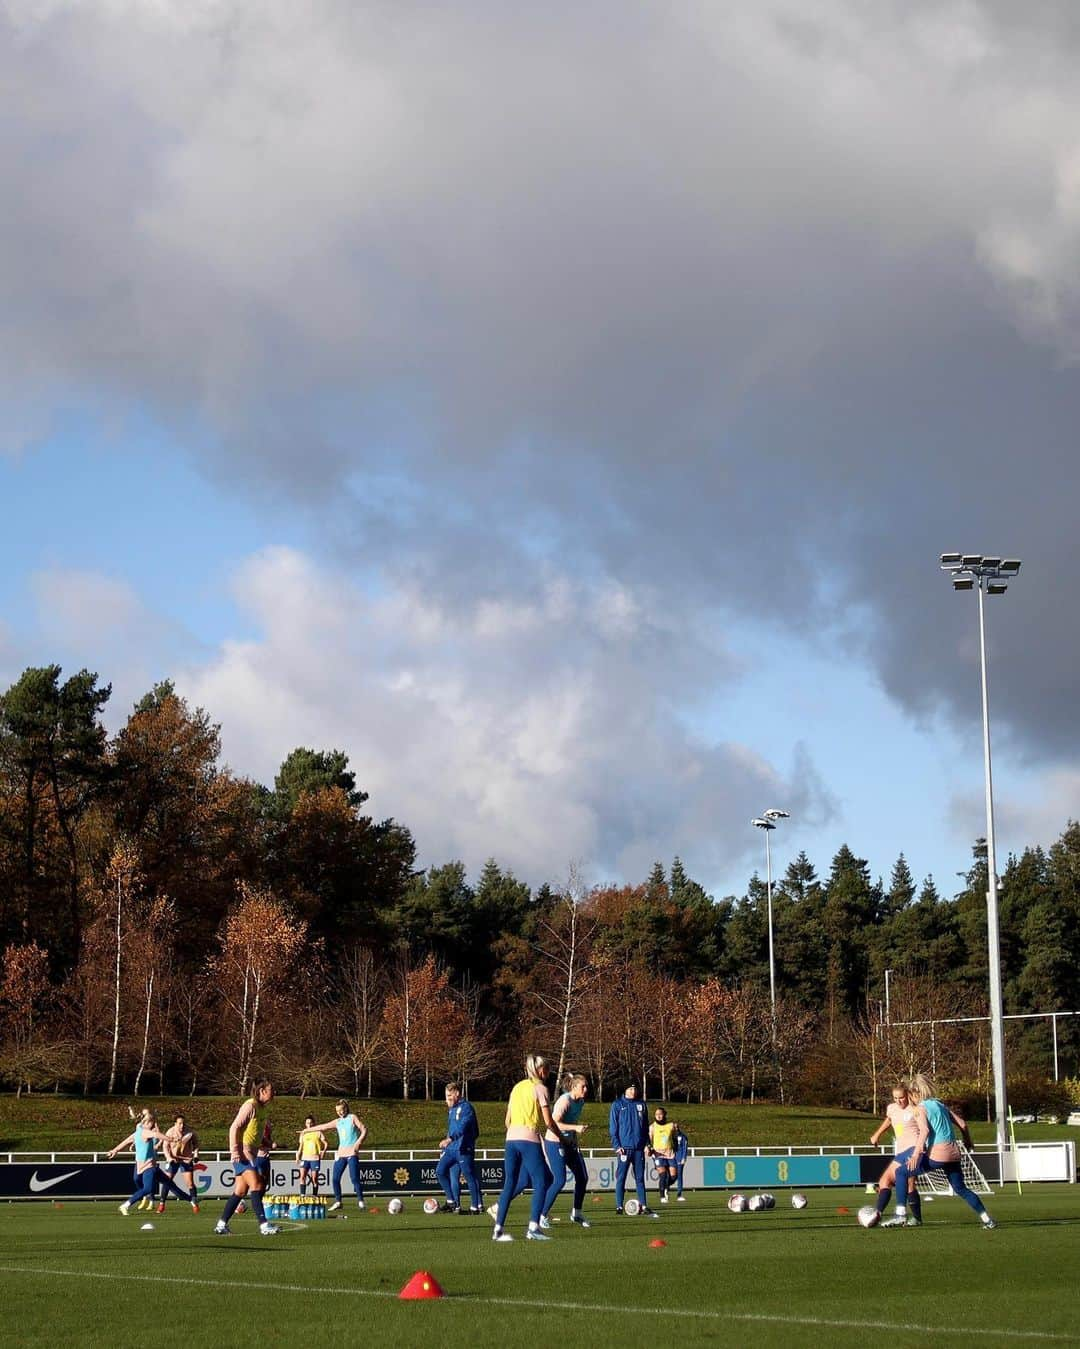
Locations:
column 562, row 944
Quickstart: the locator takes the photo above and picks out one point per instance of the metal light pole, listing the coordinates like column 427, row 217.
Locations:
column 990, row 576
column 767, row 821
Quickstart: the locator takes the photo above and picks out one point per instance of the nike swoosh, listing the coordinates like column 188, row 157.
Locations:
column 36, row 1186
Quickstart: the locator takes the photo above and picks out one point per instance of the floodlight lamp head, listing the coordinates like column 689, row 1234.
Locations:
column 1011, row 565
column 972, row 559
column 996, row 587
column 950, row 560
column 992, row 562
column 963, row 583
column 762, row 824
column 775, row 814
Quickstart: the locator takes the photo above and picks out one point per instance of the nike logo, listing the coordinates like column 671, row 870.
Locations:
column 36, row 1186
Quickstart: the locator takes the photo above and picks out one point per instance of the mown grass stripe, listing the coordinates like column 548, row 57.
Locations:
column 523, row 1304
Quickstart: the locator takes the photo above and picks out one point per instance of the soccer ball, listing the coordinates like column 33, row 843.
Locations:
column 431, row 1206
column 632, row 1207
column 394, row 1206
column 798, row 1201
column 737, row 1203
column 768, row 1201
column 755, row 1203
column 867, row 1214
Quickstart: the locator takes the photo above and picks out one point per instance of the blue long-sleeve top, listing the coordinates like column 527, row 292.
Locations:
column 628, row 1124
column 462, row 1127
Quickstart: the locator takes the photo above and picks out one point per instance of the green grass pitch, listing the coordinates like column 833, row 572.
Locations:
column 80, row 1273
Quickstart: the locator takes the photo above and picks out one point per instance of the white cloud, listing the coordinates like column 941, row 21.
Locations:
column 537, row 742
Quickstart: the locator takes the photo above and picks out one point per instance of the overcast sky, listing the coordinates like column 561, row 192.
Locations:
column 560, row 409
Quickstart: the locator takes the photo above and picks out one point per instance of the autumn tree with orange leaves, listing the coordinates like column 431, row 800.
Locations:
column 259, row 941
column 421, row 1023
column 27, row 1058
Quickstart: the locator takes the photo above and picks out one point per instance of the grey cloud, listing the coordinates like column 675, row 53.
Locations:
column 715, row 299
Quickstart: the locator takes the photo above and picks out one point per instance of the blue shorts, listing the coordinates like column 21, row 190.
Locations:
column 188, row 1167
column 240, row 1167
column 662, row 1163
column 903, row 1156
column 310, row 1166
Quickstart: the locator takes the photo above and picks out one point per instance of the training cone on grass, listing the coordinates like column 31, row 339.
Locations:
column 657, row 1242
column 422, row 1285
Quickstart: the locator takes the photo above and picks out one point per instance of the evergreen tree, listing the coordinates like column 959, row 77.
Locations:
column 852, row 907
column 308, row 770
column 799, row 933
column 800, row 879
column 901, row 889
column 52, row 767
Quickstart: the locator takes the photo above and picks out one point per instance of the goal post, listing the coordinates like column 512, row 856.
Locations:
column 937, row 1182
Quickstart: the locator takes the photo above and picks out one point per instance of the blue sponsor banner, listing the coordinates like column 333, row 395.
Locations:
column 754, row 1173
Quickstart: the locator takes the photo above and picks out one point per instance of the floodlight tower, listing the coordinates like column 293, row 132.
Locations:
column 990, row 576
column 767, row 821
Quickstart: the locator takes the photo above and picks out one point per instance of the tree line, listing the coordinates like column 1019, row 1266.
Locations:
column 167, row 925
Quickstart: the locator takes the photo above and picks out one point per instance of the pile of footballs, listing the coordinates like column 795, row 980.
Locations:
column 758, row 1203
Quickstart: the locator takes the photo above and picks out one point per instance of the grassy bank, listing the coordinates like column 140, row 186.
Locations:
column 77, row 1123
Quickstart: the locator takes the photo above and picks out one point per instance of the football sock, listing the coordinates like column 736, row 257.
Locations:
column 231, row 1205
column 257, row 1205
column 883, row 1197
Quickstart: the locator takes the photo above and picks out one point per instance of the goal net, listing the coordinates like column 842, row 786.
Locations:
column 937, row 1182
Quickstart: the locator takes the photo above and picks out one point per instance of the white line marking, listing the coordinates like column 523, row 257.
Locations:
column 603, row 1309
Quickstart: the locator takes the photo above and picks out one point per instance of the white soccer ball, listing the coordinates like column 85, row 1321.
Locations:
column 431, row 1206
column 768, row 1201
column 394, row 1206
column 798, row 1201
column 867, row 1214
column 147, row 1227
column 737, row 1203
column 755, row 1204
column 632, row 1207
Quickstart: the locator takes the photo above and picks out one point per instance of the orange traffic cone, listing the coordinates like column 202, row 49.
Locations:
column 422, row 1285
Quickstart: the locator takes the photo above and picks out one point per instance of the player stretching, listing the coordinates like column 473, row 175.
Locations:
column 309, row 1154
column 351, row 1132
column 144, row 1138
column 181, row 1148
column 245, row 1137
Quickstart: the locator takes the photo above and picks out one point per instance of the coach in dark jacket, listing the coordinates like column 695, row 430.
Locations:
column 628, row 1125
